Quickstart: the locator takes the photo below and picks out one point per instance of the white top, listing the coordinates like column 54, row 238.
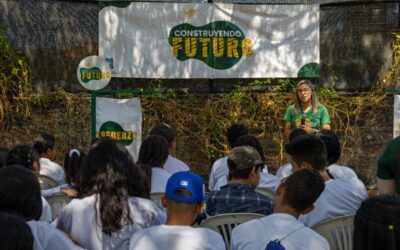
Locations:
column 78, row 219
column 339, row 198
column 45, row 236
column 175, row 237
column 218, row 170
column 337, row 171
column 52, row 170
column 256, row 234
column 173, row 165
column 159, row 179
column 46, row 211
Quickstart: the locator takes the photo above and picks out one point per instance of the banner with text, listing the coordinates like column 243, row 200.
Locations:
column 121, row 120
column 199, row 40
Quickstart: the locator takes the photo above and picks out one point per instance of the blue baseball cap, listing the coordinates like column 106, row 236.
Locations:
column 188, row 181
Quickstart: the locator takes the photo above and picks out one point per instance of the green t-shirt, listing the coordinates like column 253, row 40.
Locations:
column 389, row 163
column 315, row 121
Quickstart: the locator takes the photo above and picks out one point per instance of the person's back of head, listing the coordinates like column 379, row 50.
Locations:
column 25, row 156
column 165, row 130
column 153, row 151
column 15, row 234
column 296, row 132
column 110, row 172
column 72, row 164
column 301, row 190
column 332, row 145
column 3, row 156
column 252, row 141
column 234, row 132
column 377, row 223
column 184, row 196
column 244, row 163
column 20, row 192
column 307, row 151
column 43, row 143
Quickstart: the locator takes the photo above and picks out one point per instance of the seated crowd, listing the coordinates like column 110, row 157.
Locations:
column 113, row 205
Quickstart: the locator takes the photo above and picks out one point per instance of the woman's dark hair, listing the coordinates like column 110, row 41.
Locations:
column 377, row 223
column 3, row 155
column 15, row 234
column 20, row 192
column 110, row 172
column 332, row 145
column 24, row 156
column 153, row 153
column 251, row 140
column 43, row 143
column 234, row 132
column 72, row 164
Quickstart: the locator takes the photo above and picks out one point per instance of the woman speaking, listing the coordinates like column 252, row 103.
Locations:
column 307, row 113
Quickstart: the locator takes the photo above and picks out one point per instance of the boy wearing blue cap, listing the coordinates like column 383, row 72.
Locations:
column 184, row 198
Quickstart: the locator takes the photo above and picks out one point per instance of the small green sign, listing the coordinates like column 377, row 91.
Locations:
column 115, row 131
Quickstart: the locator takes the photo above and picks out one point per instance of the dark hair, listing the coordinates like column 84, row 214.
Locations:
column 3, row 155
column 377, row 223
column 296, row 132
column 20, row 192
column 24, row 156
column 251, row 140
column 239, row 173
column 234, row 132
column 15, row 233
column 332, row 145
column 110, row 172
column 43, row 142
column 72, row 164
column 302, row 189
column 165, row 130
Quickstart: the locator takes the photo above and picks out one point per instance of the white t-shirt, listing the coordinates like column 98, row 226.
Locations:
column 173, row 165
column 52, row 170
column 159, row 179
column 78, row 219
column 339, row 198
column 45, row 236
column 175, row 237
column 218, row 170
column 294, row 235
column 46, row 211
column 337, row 171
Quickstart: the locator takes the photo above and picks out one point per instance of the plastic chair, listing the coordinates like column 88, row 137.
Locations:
column 337, row 231
column 156, row 197
column 57, row 202
column 266, row 192
column 224, row 223
column 46, row 182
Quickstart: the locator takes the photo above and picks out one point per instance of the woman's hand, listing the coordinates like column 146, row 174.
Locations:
column 308, row 129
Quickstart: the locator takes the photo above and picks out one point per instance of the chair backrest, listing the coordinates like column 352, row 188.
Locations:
column 224, row 223
column 46, row 182
column 266, row 192
column 57, row 202
column 156, row 197
column 337, row 231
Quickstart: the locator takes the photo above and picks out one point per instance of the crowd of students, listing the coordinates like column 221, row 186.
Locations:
column 111, row 206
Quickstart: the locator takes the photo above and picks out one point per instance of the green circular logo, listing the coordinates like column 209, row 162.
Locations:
column 94, row 73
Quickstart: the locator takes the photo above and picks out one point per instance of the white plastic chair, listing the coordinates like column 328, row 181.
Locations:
column 46, row 182
column 337, row 231
column 57, row 202
column 266, row 192
column 224, row 223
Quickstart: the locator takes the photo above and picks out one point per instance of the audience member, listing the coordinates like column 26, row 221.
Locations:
column 114, row 204
column 220, row 167
column 72, row 164
column 172, row 165
column 238, row 196
column 184, row 198
column 377, row 224
column 3, row 155
column 15, row 234
column 20, row 194
column 45, row 145
column 388, row 171
column 294, row 196
column 340, row 197
column 152, row 156
column 267, row 180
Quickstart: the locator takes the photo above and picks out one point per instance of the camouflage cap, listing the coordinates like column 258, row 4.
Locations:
column 245, row 157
